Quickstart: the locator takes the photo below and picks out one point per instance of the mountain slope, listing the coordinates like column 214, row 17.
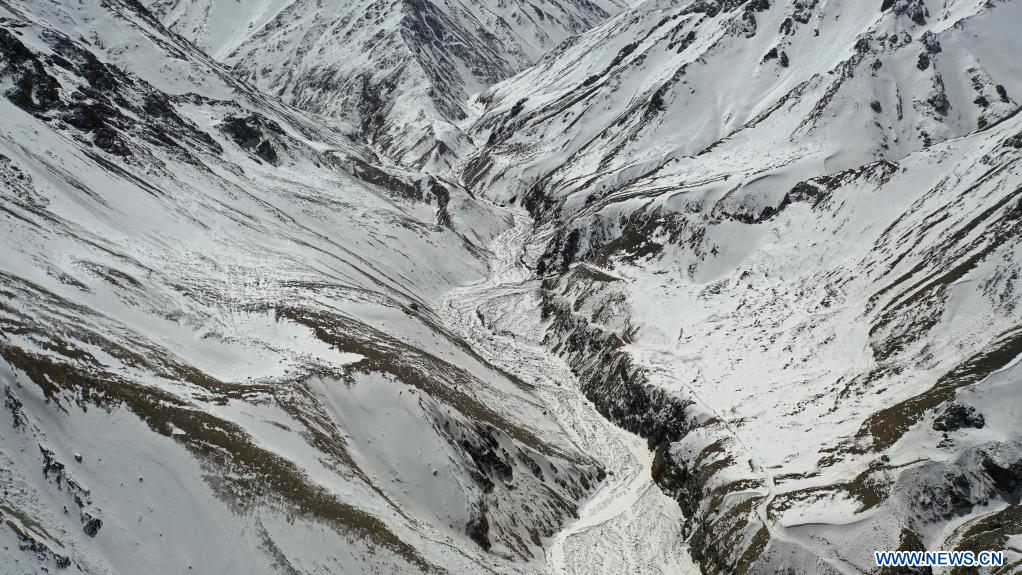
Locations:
column 402, row 71
column 218, row 349
column 842, row 83
column 786, row 249
column 249, row 319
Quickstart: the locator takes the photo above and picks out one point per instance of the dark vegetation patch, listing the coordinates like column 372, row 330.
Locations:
column 243, row 474
column 886, row 426
column 991, row 532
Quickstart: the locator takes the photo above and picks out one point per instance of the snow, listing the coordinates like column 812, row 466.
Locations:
column 342, row 356
column 787, row 324
column 629, row 525
column 272, row 318
column 370, row 61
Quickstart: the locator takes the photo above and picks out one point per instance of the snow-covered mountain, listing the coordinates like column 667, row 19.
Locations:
column 219, row 351
column 402, row 71
column 787, row 252
column 279, row 295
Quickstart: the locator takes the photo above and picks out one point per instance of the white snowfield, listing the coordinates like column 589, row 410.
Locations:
column 475, row 286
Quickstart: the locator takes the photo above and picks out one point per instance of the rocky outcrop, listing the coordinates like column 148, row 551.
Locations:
column 253, row 134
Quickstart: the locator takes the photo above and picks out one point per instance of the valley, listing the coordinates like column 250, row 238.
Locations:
column 629, row 525
column 540, row 287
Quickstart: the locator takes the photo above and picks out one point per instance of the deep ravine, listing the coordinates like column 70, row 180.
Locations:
column 629, row 525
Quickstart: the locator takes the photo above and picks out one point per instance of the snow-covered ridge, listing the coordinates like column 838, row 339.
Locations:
column 402, row 71
column 218, row 348
column 832, row 85
column 248, row 307
column 788, row 253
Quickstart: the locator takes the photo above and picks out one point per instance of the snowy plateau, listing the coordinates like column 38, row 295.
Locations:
column 522, row 287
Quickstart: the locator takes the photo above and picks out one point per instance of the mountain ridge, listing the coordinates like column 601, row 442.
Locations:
column 733, row 274
column 216, row 317
column 418, row 60
column 287, row 298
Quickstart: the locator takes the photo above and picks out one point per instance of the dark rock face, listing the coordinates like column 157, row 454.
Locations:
column 34, row 89
column 909, row 542
column 442, row 196
column 940, row 103
column 938, row 491
column 1006, row 476
column 914, row 9
column 98, row 102
column 91, row 524
column 491, row 463
column 14, row 404
column 957, row 416
column 570, row 248
column 1003, row 93
column 931, row 43
column 250, row 132
column 478, row 528
column 97, row 118
column 51, row 465
column 372, row 174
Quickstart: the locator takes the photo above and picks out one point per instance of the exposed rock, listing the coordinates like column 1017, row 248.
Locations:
column 14, row 404
column 478, row 528
column 33, row 89
column 957, row 416
column 252, row 133
column 1002, row 93
column 91, row 525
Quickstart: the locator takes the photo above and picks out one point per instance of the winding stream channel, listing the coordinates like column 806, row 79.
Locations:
column 629, row 525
